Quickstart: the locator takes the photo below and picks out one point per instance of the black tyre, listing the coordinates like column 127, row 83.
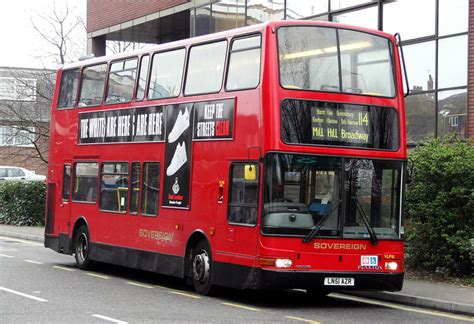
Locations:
column 202, row 268
column 81, row 248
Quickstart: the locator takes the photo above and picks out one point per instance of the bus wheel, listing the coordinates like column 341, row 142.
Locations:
column 317, row 293
column 202, row 268
column 81, row 245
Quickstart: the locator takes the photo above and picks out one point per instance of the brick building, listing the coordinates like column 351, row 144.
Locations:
column 437, row 39
column 25, row 101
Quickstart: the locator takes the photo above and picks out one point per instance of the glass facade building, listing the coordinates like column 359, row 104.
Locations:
column 435, row 37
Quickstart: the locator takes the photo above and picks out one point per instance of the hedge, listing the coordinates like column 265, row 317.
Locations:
column 440, row 207
column 22, row 203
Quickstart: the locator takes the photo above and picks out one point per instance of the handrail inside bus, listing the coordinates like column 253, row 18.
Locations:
column 399, row 43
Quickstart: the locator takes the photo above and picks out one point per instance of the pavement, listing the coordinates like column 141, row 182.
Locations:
column 425, row 294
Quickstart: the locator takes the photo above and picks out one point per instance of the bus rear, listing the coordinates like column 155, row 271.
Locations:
column 334, row 160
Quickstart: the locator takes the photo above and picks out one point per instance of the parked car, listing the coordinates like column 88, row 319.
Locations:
column 12, row 173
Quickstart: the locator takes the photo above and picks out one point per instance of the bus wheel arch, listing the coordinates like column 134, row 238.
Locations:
column 198, row 265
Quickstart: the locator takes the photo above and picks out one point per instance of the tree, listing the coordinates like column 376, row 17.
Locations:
column 26, row 94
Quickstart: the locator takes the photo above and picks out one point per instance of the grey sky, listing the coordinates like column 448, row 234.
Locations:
column 21, row 44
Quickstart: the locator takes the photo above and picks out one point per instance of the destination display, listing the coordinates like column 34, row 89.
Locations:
column 214, row 120
column 339, row 124
column 122, row 125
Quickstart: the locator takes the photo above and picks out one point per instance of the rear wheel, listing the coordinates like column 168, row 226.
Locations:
column 81, row 245
column 202, row 268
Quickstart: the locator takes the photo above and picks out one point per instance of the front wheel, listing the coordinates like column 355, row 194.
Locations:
column 202, row 268
column 81, row 249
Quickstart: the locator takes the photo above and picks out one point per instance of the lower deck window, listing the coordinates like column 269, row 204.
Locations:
column 150, row 188
column 114, row 187
column 85, row 184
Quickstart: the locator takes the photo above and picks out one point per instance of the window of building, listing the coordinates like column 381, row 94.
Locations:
column 297, row 9
column 145, row 62
column 421, row 65
column 92, row 85
column 452, row 64
column 18, row 89
column 66, row 182
column 412, row 19
column 243, row 197
column 202, row 21
column 166, row 74
column 259, row 11
column 340, row 4
column 114, row 187
column 85, row 182
column 244, row 64
column 121, row 81
column 453, row 16
column 452, row 112
column 15, row 136
column 420, row 117
column 150, row 188
column 206, row 60
column 228, row 14
column 68, row 89
column 365, row 17
column 135, row 188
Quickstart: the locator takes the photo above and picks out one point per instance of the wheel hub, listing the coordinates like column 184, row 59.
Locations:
column 201, row 266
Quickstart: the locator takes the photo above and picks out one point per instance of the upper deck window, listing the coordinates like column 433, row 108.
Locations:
column 336, row 60
column 244, row 64
column 68, row 90
column 121, row 82
column 166, row 74
column 206, row 68
column 92, row 85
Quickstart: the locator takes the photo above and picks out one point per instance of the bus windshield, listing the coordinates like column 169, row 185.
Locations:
column 335, row 60
column 341, row 197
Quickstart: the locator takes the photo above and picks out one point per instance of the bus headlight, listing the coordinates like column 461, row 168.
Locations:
column 391, row 265
column 283, row 263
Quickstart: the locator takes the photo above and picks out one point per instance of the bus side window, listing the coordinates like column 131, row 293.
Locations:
column 114, row 187
column 205, row 60
column 135, row 188
column 92, row 85
column 68, row 89
column 244, row 64
column 85, row 182
column 121, row 82
column 66, row 182
column 150, row 188
column 166, row 74
column 243, row 197
column 145, row 62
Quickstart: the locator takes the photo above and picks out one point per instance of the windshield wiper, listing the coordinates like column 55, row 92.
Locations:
column 320, row 224
column 370, row 229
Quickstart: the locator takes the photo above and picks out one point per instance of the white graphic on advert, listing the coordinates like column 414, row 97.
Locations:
column 181, row 124
column 175, row 186
column 178, row 160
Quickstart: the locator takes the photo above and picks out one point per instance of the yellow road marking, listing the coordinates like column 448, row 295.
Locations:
column 35, row 262
column 183, row 294
column 303, row 320
column 405, row 308
column 241, row 306
column 7, row 256
column 63, row 268
column 139, row 285
column 162, row 287
column 97, row 275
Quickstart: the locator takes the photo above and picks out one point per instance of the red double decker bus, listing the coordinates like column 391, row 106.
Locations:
column 270, row 156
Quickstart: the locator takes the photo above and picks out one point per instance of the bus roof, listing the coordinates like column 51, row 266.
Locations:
column 221, row 35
